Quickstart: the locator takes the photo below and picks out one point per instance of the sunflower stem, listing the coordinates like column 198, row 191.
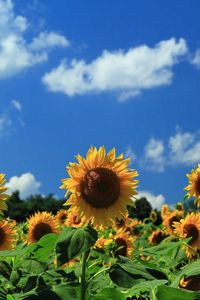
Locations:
column 83, row 281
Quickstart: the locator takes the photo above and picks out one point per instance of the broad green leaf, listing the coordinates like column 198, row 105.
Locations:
column 109, row 294
column 72, row 242
column 126, row 273
column 46, row 246
column 166, row 293
column 190, row 269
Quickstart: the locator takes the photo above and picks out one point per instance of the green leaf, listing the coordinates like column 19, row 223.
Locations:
column 72, row 242
column 10, row 253
column 190, row 269
column 126, row 273
column 46, row 246
column 109, row 294
column 166, row 293
column 5, row 269
column 98, row 283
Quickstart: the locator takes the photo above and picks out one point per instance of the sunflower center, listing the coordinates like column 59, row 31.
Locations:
column 121, row 247
column 2, row 236
column 172, row 220
column 197, row 186
column 76, row 220
column 40, row 230
column 100, row 187
column 191, row 231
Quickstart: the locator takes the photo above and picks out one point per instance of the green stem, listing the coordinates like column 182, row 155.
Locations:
column 83, row 282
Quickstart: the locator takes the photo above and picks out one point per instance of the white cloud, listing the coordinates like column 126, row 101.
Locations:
column 128, row 72
column 154, row 155
column 26, row 184
column 155, row 201
column 182, row 148
column 196, row 59
column 16, row 104
column 5, row 124
column 48, row 39
column 16, row 54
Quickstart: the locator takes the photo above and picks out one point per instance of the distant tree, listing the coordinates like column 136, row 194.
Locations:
column 19, row 209
column 141, row 210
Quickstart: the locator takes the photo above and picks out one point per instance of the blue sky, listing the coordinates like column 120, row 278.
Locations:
column 122, row 74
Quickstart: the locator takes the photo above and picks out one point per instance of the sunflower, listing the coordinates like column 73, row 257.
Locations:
column 74, row 219
column 122, row 223
column 101, row 185
column 189, row 227
column 168, row 222
column 102, row 242
column 153, row 216
column 157, row 236
column 123, row 244
column 165, row 211
column 7, row 235
column 61, row 216
column 179, row 206
column 3, row 196
column 191, row 283
column 193, row 187
column 40, row 224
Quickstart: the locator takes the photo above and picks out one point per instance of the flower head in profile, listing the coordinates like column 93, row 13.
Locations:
column 165, row 211
column 101, row 185
column 189, row 228
column 168, row 222
column 73, row 218
column 40, row 224
column 157, row 236
column 7, row 235
column 61, row 216
column 123, row 242
column 193, row 187
column 3, row 196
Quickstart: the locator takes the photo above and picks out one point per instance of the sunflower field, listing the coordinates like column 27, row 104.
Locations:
column 92, row 249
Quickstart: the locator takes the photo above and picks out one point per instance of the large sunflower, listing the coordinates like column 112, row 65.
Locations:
column 3, row 196
column 193, row 187
column 7, row 235
column 40, row 224
column 101, row 185
column 189, row 227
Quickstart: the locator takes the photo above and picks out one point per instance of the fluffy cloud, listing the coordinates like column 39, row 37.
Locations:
column 196, row 59
column 26, row 184
column 127, row 72
column 156, row 201
column 16, row 54
column 5, row 124
column 183, row 148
